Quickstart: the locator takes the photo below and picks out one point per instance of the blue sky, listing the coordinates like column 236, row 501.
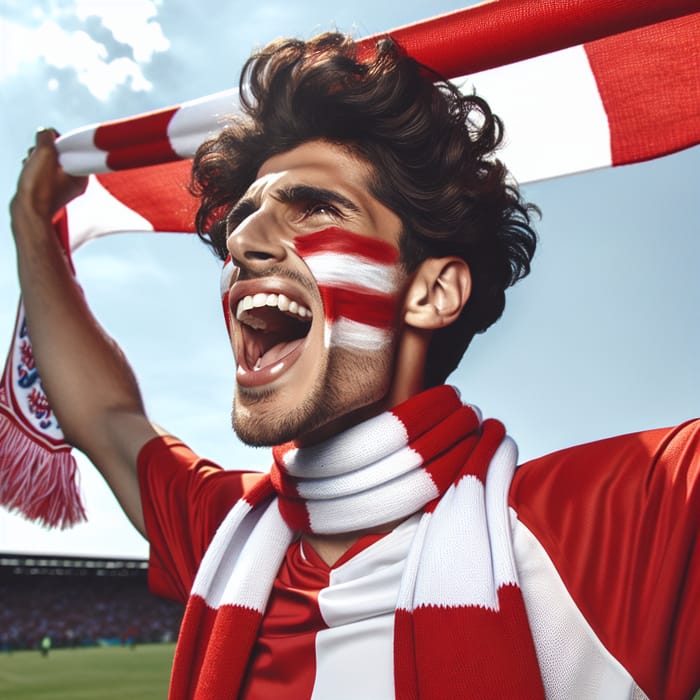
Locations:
column 603, row 337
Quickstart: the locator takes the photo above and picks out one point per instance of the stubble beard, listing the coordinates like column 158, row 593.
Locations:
column 351, row 382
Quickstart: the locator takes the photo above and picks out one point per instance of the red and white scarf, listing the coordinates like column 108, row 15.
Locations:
column 570, row 79
column 460, row 624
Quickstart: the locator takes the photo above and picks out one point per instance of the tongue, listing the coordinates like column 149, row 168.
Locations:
column 277, row 352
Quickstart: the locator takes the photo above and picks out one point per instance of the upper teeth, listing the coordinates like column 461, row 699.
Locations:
column 280, row 301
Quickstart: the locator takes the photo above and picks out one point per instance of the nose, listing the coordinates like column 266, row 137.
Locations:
column 257, row 242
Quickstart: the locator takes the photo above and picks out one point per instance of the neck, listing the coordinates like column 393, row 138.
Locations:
column 337, row 426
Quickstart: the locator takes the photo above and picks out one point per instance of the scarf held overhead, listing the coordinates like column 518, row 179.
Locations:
column 570, row 80
column 465, row 635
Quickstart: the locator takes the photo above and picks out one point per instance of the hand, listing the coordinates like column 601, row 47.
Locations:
column 43, row 186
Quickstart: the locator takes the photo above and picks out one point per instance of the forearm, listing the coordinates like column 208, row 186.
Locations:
column 88, row 381
column 83, row 372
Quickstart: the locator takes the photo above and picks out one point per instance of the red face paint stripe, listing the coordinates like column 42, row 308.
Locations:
column 341, row 242
column 227, row 310
column 377, row 310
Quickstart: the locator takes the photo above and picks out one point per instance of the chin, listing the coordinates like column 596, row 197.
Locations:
column 253, row 436
column 353, row 388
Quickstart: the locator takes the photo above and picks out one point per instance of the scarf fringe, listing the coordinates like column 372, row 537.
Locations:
column 38, row 482
column 39, row 476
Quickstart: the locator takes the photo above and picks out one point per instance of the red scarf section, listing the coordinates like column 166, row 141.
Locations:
column 460, row 626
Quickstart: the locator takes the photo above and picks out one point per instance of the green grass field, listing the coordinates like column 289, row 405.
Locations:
column 99, row 673
column 104, row 673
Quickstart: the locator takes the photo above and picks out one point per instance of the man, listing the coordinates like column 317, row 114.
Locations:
column 391, row 552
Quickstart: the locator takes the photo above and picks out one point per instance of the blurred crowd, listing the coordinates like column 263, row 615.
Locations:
column 74, row 611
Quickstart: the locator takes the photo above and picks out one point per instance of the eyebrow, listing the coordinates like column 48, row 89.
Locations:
column 309, row 193
column 293, row 194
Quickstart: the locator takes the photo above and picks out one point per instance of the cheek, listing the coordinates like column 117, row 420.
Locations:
column 358, row 319
column 358, row 279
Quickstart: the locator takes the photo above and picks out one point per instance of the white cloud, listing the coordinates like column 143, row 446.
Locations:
column 16, row 47
column 131, row 22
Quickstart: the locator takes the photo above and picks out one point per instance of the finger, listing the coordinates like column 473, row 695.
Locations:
column 46, row 138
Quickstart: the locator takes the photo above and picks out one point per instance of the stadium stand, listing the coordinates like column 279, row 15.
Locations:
column 80, row 601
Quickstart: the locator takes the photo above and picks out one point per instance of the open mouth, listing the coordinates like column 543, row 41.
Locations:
column 272, row 327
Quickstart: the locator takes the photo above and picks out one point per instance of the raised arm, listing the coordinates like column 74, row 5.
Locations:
column 87, row 379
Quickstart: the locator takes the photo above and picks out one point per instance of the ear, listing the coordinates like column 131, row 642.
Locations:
column 437, row 293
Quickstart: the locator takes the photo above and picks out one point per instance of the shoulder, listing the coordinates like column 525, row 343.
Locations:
column 604, row 493
column 638, row 463
column 177, row 485
column 165, row 458
column 618, row 519
column 185, row 498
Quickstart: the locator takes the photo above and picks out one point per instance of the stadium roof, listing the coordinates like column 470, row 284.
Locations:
column 68, row 565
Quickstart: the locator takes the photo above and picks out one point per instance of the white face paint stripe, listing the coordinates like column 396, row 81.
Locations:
column 333, row 270
column 352, row 335
column 226, row 275
column 344, row 271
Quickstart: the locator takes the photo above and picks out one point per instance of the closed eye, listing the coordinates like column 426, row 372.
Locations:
column 313, row 201
column 308, row 202
column 320, row 208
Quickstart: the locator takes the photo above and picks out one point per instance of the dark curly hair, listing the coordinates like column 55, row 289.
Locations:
column 430, row 149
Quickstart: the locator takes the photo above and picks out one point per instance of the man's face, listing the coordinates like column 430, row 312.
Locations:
column 314, row 298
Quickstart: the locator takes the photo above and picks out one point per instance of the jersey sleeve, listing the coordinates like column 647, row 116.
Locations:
column 620, row 520
column 184, row 499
